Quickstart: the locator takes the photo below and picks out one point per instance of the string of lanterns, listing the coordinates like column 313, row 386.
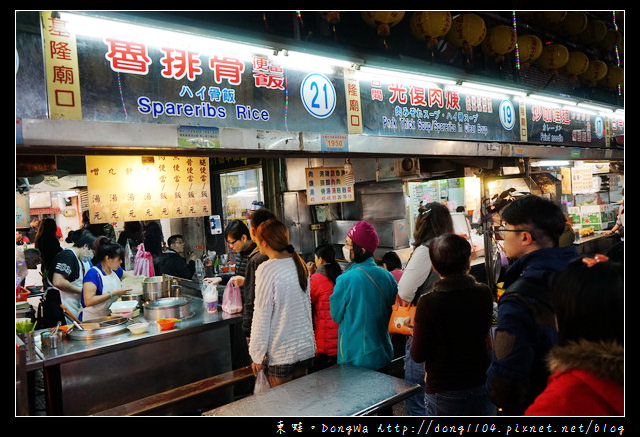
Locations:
column 468, row 30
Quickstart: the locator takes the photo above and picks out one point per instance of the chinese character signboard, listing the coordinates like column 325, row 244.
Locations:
column 411, row 109
column 328, row 185
column 129, row 79
column 552, row 124
column 354, row 107
column 126, row 188
column 61, row 62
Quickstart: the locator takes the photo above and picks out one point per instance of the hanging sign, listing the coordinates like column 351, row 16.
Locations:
column 552, row 124
column 395, row 107
column 354, row 107
column 61, row 65
column 328, row 185
column 135, row 74
column 126, row 188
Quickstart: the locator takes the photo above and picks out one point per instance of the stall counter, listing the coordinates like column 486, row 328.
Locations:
column 83, row 377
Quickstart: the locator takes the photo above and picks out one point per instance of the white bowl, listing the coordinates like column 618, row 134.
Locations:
column 138, row 328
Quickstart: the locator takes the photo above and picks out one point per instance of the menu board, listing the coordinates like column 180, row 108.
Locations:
column 129, row 188
column 328, row 185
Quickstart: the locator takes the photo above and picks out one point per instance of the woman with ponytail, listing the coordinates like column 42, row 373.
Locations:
column 282, row 340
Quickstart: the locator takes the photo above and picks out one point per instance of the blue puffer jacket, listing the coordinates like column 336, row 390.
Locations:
column 362, row 313
column 526, row 329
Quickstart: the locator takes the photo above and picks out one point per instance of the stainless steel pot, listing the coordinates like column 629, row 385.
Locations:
column 167, row 307
column 137, row 297
column 154, row 288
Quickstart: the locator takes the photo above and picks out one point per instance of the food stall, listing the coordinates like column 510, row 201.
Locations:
column 225, row 135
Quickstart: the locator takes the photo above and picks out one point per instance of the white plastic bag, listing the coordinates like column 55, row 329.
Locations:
column 262, row 383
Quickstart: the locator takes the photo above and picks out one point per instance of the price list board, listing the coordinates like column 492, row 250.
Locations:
column 328, row 185
column 129, row 188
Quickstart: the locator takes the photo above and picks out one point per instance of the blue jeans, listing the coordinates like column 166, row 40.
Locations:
column 414, row 373
column 467, row 402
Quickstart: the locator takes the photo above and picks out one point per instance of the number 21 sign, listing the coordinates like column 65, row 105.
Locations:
column 318, row 95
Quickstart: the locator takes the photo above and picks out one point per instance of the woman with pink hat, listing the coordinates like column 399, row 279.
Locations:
column 361, row 303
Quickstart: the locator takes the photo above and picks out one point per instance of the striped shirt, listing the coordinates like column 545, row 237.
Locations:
column 282, row 328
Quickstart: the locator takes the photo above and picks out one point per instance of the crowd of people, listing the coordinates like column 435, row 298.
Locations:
column 556, row 348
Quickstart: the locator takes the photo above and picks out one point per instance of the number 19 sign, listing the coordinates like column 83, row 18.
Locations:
column 318, row 95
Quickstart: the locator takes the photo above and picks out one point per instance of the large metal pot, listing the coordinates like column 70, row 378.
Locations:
column 168, row 307
column 154, row 288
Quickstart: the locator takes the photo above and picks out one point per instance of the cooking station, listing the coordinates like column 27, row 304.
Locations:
column 86, row 375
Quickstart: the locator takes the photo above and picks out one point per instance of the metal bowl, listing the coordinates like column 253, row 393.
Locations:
column 108, row 326
column 168, row 307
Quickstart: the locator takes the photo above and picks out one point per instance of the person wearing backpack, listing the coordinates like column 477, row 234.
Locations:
column 526, row 331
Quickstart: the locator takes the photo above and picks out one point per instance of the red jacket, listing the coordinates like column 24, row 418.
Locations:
column 326, row 330
column 587, row 380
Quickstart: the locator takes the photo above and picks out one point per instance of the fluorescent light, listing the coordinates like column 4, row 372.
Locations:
column 546, row 99
column 369, row 72
column 475, row 91
column 595, row 107
column 492, row 88
column 156, row 37
column 550, row 163
column 306, row 61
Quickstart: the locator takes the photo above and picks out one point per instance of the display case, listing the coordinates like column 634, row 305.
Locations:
column 241, row 191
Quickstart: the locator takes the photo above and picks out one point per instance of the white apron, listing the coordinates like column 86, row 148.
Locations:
column 110, row 282
column 72, row 300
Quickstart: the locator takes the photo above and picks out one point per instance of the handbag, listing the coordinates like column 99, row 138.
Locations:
column 402, row 317
column 403, row 313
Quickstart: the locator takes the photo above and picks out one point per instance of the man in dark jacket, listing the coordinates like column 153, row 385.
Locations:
column 172, row 261
column 526, row 328
column 254, row 259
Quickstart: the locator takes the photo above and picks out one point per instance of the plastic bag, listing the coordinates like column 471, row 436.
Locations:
column 210, row 297
column 231, row 299
column 143, row 263
column 262, row 383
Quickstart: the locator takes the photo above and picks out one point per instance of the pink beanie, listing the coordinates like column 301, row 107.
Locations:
column 364, row 235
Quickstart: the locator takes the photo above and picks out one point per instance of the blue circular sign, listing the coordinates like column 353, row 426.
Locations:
column 507, row 114
column 318, row 95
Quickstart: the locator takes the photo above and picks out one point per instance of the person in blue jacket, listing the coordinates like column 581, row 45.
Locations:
column 361, row 303
column 526, row 329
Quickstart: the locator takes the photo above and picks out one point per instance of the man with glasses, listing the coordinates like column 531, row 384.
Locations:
column 531, row 228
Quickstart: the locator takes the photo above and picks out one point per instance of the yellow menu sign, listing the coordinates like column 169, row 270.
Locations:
column 130, row 188
column 61, row 64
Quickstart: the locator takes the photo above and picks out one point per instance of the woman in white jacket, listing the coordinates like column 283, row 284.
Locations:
column 417, row 279
column 282, row 339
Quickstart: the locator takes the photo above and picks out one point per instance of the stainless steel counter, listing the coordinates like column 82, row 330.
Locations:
column 339, row 390
column 83, row 377
column 71, row 349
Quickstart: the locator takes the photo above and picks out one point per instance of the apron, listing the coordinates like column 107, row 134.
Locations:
column 72, row 300
column 110, row 282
